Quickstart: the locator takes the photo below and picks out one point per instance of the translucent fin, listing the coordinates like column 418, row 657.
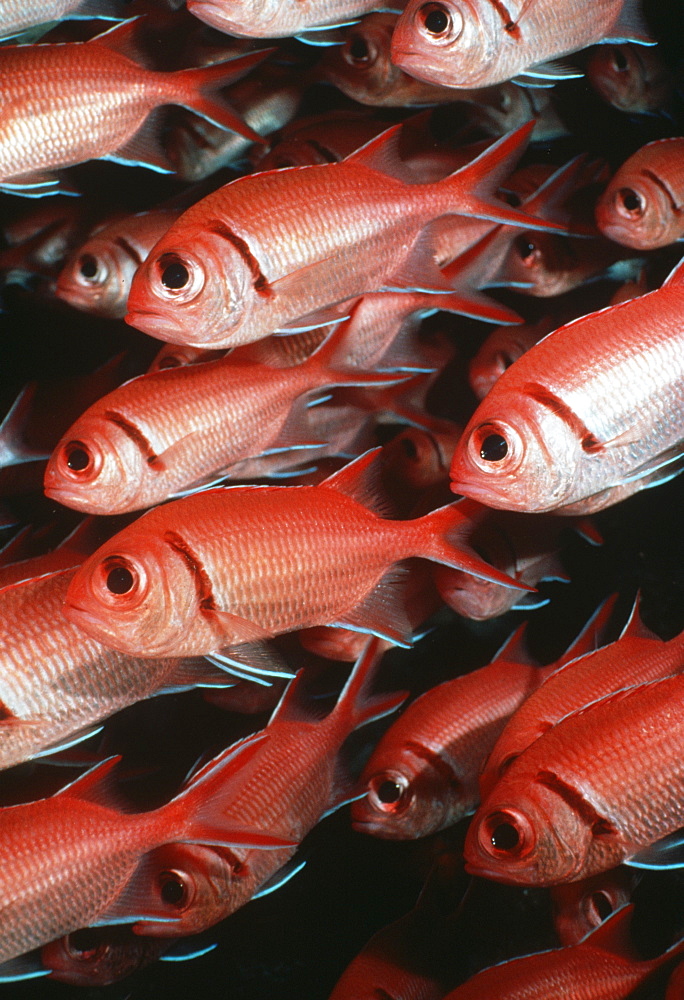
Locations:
column 226, row 662
column 383, row 611
column 185, row 951
column 554, row 69
column 94, row 785
column 13, row 449
column 145, row 149
column 361, row 480
column 71, row 741
column 630, row 26
column 665, row 854
column 23, row 967
column 281, row 878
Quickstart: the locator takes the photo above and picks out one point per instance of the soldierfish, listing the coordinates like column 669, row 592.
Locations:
column 636, row 657
column 633, row 78
column 52, row 120
column 603, row 965
column 97, row 956
column 56, row 682
column 163, row 433
column 278, row 18
column 97, row 278
column 501, row 348
column 284, row 791
column 68, row 861
column 578, row 801
column 553, row 434
column 580, row 907
column 476, row 43
column 17, row 15
column 642, row 205
column 219, row 568
column 229, row 271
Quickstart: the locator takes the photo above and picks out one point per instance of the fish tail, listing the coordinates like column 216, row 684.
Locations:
column 472, row 188
column 196, row 815
column 356, row 706
column 199, row 91
column 440, row 537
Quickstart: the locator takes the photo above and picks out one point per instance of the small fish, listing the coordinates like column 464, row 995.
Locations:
column 51, row 120
column 572, row 804
column 501, row 348
column 217, row 569
column 477, row 44
column 69, row 861
column 552, row 435
column 581, row 907
column 633, row 78
column 228, row 272
column 603, row 965
column 98, row 276
column 643, row 206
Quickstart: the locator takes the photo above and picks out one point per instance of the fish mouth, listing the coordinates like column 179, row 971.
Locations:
column 70, row 498
column 156, row 324
column 486, row 496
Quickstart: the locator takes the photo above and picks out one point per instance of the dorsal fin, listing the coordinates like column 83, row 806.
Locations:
column 292, row 707
column 613, row 934
column 382, row 153
column 676, row 276
column 514, row 649
column 360, row 480
column 93, row 785
column 634, row 627
column 593, row 634
column 122, row 38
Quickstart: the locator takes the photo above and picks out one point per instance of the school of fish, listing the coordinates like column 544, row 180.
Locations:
column 339, row 337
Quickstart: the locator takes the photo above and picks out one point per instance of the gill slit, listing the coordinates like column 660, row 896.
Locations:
column 205, row 590
column 137, row 436
column 259, row 279
column 589, row 442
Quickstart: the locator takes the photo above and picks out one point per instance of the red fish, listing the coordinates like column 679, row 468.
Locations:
column 581, row 907
column 68, row 861
column 553, row 434
column 603, row 965
column 501, row 348
column 633, row 78
column 98, row 956
column 50, row 121
column 228, row 273
column 218, row 569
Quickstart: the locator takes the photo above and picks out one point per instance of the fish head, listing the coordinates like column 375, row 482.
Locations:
column 410, row 794
column 636, row 211
column 99, row 468
column 581, row 907
column 472, row 597
column 517, row 453
column 98, row 956
column 630, row 77
column 527, row 834
column 241, row 17
column 138, row 594
column 97, row 279
column 460, row 36
column 362, row 67
column 189, row 884
column 194, row 291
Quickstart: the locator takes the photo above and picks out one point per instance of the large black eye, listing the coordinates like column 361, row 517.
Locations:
column 120, row 580
column 77, row 458
column 505, row 837
column 619, row 60
column 358, row 49
column 174, row 273
column 83, row 944
column 389, row 792
column 631, row 200
column 435, row 19
column 494, row 448
column 88, row 267
column 173, row 888
column 602, row 905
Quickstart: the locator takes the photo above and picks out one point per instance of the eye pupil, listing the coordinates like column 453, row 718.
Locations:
column 493, row 448
column 175, row 275
column 505, row 837
column 631, row 200
column 89, row 266
column 170, row 361
column 173, row 890
column 389, row 792
column 78, row 459
column 410, row 449
column 619, row 60
column 120, row 580
column 436, row 20
column 602, row 905
column 525, row 247
column 83, row 944
column 358, row 49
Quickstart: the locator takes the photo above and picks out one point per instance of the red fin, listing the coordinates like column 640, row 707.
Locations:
column 202, row 86
column 145, row 149
column 383, row 611
column 613, row 934
column 514, row 649
column 327, row 359
column 592, row 635
column 293, row 707
column 123, row 38
column 634, row 627
column 241, row 628
column 630, row 25
column 94, row 785
column 361, row 480
column 587, row 530
column 382, row 154
column 355, row 706
column 676, row 276
column 141, row 899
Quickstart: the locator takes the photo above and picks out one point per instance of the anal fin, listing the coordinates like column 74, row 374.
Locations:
column 382, row 612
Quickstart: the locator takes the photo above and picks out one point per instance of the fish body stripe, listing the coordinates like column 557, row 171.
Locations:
column 590, row 443
column 597, row 823
column 205, row 590
column 259, row 279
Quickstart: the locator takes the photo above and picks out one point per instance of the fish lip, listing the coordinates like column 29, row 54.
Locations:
column 64, row 495
column 153, row 322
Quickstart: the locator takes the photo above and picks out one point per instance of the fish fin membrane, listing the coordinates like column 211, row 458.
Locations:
column 667, row 853
column 23, row 967
column 630, row 26
column 124, row 38
column 240, row 628
column 294, row 705
column 186, row 950
column 201, row 88
column 593, row 635
column 381, row 153
column 613, row 934
column 361, row 480
column 201, row 803
column 281, row 877
column 145, row 148
column 37, row 185
column 13, row 448
column 382, row 612
column 72, row 740
column 676, row 275
column 256, row 658
column 193, row 673
column 442, row 540
column 634, row 627
column 94, row 785
column 356, row 706
column 418, row 272
column 140, row 901
column 553, row 69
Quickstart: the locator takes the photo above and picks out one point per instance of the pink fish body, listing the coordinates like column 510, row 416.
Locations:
column 219, row 568
column 477, row 43
column 276, row 18
column 589, row 415
column 230, row 272
column 17, row 15
column 52, row 118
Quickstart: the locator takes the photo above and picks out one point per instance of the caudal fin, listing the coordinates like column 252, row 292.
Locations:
column 199, row 91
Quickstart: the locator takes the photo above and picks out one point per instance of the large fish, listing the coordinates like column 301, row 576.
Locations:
column 18, row 15
column 279, row 18
column 476, row 43
column 71, row 860
column 241, row 564
column 53, row 118
column 642, row 205
column 588, row 416
column 274, row 249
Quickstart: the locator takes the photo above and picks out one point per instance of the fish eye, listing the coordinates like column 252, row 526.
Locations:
column 620, row 63
column 174, row 274
column 90, row 269
column 120, row 580
column 78, row 461
column 439, row 23
column 507, row 833
column 527, row 249
column 387, row 792
column 77, row 457
column 82, row 944
column 117, row 578
column 599, row 906
column 170, row 361
column 493, row 448
column 179, row 277
column 495, row 445
column 357, row 51
column 629, row 202
column 175, row 888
